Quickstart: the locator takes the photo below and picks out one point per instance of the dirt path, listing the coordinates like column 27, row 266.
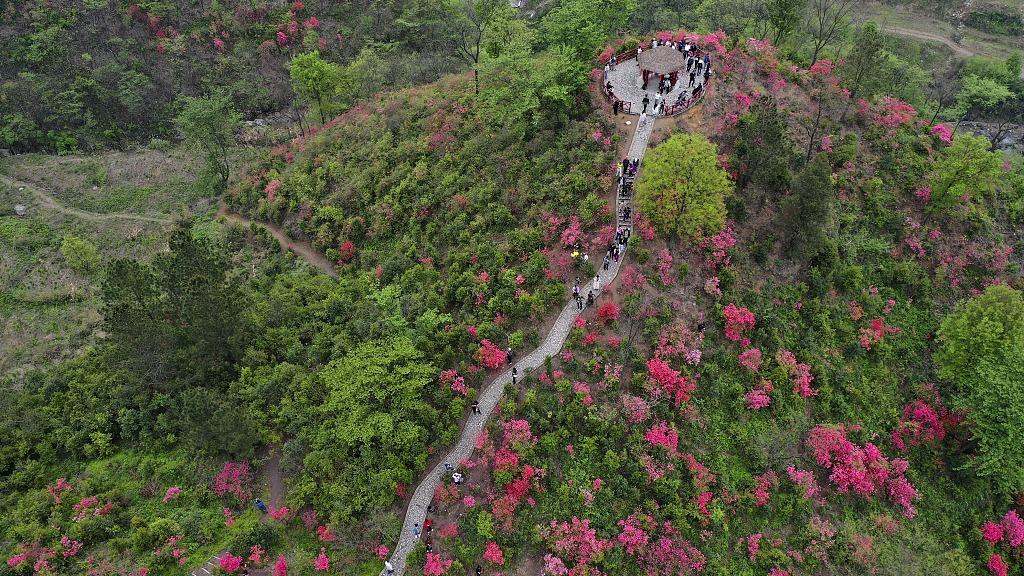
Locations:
column 52, row 203
column 958, row 49
column 312, row 256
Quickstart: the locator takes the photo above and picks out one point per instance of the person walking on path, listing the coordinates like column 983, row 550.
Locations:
column 428, row 525
column 597, row 283
column 476, row 407
column 657, row 101
column 647, row 101
column 693, row 79
column 643, row 118
column 579, row 302
column 416, row 531
column 607, row 261
column 590, row 298
column 615, row 107
column 515, row 373
column 389, row 567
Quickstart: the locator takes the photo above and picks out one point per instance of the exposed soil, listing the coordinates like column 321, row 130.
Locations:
column 311, row 255
column 47, row 199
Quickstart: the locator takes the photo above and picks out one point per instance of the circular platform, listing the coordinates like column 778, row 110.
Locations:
column 662, row 60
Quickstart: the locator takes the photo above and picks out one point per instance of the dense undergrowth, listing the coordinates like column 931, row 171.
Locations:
column 812, row 370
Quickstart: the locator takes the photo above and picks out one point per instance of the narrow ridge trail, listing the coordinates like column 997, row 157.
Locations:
column 312, row 256
column 52, row 203
column 492, row 392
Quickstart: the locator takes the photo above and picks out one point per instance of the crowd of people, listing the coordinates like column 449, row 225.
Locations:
column 698, row 65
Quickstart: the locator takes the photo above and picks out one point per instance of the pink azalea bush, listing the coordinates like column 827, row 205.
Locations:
column 493, row 554
column 230, row 563
column 435, row 566
column 738, row 321
column 491, row 356
column 670, row 381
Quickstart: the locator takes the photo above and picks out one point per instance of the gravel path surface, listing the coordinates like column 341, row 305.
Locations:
column 493, row 391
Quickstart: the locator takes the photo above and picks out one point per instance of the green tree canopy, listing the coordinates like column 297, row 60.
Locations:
column 965, row 167
column 682, row 188
column 807, row 212
column 81, row 254
column 316, row 82
column 981, row 345
column 374, row 430
column 209, row 124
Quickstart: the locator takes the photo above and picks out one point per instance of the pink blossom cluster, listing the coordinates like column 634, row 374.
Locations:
column 863, row 470
column 575, row 541
column 70, row 547
column 90, row 506
column 943, row 133
column 670, row 381
column 573, row 233
column 763, row 484
column 718, row 247
column 799, row 373
column 234, row 478
column 171, row 493
column 997, row 566
column 609, row 311
column 517, row 433
column 662, row 435
column 230, row 563
column 58, row 489
column 491, row 356
column 923, row 421
column 751, row 359
column 643, row 226
column 738, row 320
column 637, row 409
column 322, row 563
column 805, row 480
column 493, row 554
column 457, row 383
column 658, row 554
column 324, row 534
column 170, row 547
column 665, row 267
column 875, row 333
column 1009, row 530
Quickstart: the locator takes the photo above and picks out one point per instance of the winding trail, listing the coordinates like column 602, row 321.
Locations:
column 492, row 392
column 311, row 255
column 52, row 203
column 958, row 49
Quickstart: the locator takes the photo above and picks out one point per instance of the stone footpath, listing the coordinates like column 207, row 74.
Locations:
column 493, row 391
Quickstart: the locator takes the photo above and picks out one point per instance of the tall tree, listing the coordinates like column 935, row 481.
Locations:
column 980, row 349
column 966, row 168
column 474, row 20
column 784, row 16
column 682, row 188
column 316, row 81
column 827, row 22
column 209, row 124
column 179, row 321
column 583, row 25
column 863, row 61
column 765, row 166
column 375, row 424
column 807, row 212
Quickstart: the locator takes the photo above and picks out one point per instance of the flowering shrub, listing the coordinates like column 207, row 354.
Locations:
column 670, row 381
column 738, row 320
column 322, row 563
column 665, row 267
column 281, row 566
column 234, row 478
column 751, row 359
column 757, row 399
column 764, row 483
column 943, row 132
column 637, row 409
column 58, row 489
column 922, row 422
column 172, row 493
column 997, row 566
column 435, row 566
column 324, row 534
column 493, row 554
column 863, row 470
column 805, row 480
column 609, row 311
column 230, row 563
column 490, row 356
column 661, row 435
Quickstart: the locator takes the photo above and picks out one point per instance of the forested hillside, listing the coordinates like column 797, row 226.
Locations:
column 242, row 358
